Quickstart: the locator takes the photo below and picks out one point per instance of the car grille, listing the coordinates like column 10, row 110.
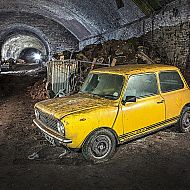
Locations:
column 48, row 120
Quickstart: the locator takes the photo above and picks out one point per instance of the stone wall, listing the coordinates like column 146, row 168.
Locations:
column 173, row 43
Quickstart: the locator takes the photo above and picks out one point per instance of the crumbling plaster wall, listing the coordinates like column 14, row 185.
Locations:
column 168, row 31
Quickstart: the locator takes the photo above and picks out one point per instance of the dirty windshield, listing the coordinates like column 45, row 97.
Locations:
column 103, row 85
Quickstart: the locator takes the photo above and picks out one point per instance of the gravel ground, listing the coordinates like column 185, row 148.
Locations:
column 160, row 161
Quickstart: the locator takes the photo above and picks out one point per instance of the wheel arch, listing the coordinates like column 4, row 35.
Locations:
column 98, row 129
column 180, row 121
column 186, row 105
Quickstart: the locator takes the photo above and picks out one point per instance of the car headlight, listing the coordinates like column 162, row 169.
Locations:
column 60, row 127
column 37, row 114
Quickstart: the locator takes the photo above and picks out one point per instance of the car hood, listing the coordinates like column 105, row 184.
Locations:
column 60, row 107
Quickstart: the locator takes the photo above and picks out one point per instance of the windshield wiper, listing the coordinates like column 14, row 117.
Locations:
column 90, row 94
column 95, row 95
column 109, row 96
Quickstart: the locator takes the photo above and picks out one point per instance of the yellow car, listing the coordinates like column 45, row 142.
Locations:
column 115, row 105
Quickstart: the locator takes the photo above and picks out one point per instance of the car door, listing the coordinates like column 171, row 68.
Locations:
column 172, row 90
column 149, row 109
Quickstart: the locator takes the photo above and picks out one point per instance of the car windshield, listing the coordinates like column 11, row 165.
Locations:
column 103, row 85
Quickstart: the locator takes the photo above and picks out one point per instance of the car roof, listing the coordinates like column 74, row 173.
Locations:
column 135, row 69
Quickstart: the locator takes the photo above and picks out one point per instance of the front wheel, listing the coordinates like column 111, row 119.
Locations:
column 99, row 146
column 184, row 123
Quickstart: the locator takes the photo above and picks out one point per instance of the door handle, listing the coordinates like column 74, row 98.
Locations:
column 161, row 102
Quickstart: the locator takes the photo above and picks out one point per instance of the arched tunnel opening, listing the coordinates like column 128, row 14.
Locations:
column 26, row 48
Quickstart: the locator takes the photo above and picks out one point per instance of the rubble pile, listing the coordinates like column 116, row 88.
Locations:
column 123, row 51
column 38, row 90
column 119, row 51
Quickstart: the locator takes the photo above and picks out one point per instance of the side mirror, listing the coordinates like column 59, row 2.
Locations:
column 129, row 99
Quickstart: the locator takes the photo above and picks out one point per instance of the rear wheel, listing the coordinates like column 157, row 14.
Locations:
column 99, row 146
column 184, row 123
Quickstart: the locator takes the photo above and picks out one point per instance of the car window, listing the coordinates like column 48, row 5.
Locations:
column 103, row 85
column 170, row 81
column 142, row 85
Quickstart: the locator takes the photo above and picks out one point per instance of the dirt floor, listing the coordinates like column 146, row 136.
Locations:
column 160, row 161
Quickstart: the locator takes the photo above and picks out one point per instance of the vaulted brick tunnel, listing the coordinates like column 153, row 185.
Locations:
column 71, row 25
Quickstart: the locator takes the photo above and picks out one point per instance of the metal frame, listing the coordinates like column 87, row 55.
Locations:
column 66, row 77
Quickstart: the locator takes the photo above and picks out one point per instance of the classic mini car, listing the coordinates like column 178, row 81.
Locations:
column 115, row 105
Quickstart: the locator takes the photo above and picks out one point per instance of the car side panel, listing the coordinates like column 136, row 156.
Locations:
column 145, row 112
column 176, row 100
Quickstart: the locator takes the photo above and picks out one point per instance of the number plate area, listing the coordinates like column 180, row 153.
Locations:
column 50, row 139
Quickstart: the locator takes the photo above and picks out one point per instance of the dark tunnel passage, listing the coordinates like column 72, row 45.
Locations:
column 31, row 55
column 24, row 47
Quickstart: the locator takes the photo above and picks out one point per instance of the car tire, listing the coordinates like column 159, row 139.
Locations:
column 184, row 122
column 100, row 146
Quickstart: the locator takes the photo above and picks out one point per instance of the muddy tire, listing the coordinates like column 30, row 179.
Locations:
column 184, row 122
column 100, row 146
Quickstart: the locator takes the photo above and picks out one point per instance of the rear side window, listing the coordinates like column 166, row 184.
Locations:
column 142, row 85
column 170, row 81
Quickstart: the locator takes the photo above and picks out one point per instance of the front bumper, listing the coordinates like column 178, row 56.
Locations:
column 51, row 133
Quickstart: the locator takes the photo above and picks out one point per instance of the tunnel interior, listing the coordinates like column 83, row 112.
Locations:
column 22, row 46
column 31, row 55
